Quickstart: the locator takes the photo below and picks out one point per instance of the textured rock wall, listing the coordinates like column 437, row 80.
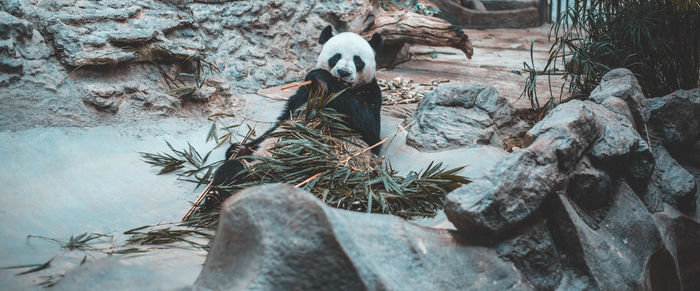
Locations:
column 85, row 62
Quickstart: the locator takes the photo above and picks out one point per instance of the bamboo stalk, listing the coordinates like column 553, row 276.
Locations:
column 401, row 128
column 307, row 180
column 295, row 85
column 196, row 202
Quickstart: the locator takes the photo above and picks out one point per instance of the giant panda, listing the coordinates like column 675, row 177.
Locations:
column 346, row 61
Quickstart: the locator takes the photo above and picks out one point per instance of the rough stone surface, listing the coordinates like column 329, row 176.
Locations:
column 681, row 234
column 693, row 155
column 574, row 175
column 510, row 193
column 590, row 188
column 571, row 128
column 672, row 183
column 53, row 55
column 458, row 115
column 535, row 256
column 618, row 106
column 625, row 253
column 676, row 118
column 621, row 83
column 278, row 237
column 621, row 148
column 515, row 187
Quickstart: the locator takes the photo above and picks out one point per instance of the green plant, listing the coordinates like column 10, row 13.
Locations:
column 190, row 67
column 658, row 40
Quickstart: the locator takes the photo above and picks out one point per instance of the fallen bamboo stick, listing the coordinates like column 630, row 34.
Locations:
column 307, row 180
column 206, row 190
column 401, row 128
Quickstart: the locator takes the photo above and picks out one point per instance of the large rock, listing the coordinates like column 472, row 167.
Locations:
column 621, row 83
column 509, row 194
column 672, row 183
column 625, row 253
column 621, row 148
column 676, row 118
column 275, row 237
column 571, row 128
column 681, row 234
column 458, row 115
column 534, row 254
column 590, row 188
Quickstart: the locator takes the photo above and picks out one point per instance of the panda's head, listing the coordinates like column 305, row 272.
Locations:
column 348, row 56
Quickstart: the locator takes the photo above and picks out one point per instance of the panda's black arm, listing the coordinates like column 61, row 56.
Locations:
column 365, row 119
column 294, row 102
column 321, row 79
column 367, row 113
column 363, row 110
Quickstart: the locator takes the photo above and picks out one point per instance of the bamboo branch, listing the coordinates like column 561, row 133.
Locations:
column 295, row 85
column 401, row 128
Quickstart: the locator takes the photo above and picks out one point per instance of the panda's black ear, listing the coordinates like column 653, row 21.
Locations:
column 376, row 42
column 326, row 34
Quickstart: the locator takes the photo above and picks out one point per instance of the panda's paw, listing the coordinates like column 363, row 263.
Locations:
column 318, row 75
column 233, row 149
column 324, row 81
column 226, row 173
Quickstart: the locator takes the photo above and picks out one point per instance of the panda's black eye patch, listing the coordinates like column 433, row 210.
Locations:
column 334, row 60
column 359, row 63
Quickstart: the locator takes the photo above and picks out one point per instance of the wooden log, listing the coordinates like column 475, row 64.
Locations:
column 407, row 27
column 401, row 28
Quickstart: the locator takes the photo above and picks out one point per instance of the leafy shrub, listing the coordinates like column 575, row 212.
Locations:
column 658, row 40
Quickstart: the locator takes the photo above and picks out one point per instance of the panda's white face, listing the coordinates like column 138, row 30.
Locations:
column 348, row 57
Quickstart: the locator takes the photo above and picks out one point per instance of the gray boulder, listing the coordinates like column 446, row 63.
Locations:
column 505, row 197
column 621, row 148
column 672, row 183
column 556, row 159
column 515, row 187
column 275, row 237
column 570, row 128
column 590, row 188
column 681, row 235
column 618, row 106
column 676, row 118
column 458, row 115
column 621, row 83
column 625, row 253
column 534, row 254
